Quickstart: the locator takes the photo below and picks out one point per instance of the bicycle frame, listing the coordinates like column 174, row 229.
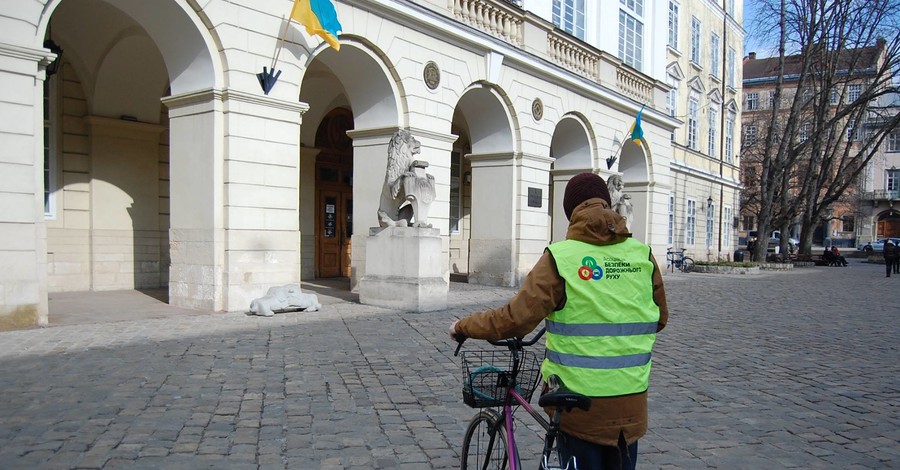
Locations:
column 513, row 398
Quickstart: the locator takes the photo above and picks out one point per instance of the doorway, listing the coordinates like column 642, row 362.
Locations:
column 334, row 195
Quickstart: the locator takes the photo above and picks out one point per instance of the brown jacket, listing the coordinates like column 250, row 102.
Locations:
column 544, row 292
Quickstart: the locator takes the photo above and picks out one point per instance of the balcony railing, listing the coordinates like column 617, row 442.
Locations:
column 497, row 18
column 882, row 195
column 504, row 19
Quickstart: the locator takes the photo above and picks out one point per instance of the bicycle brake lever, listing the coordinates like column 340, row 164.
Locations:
column 460, row 339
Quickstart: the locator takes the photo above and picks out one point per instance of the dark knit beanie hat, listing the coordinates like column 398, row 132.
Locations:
column 582, row 187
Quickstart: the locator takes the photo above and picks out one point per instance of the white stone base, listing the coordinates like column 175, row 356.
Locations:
column 404, row 270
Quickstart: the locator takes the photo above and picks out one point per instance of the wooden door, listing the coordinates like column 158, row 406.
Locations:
column 334, row 226
column 329, row 234
column 347, row 230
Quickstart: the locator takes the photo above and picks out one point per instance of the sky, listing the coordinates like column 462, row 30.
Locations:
column 753, row 40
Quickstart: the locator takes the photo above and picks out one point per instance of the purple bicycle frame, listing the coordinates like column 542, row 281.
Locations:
column 511, row 449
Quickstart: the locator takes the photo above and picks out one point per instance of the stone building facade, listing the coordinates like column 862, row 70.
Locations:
column 146, row 154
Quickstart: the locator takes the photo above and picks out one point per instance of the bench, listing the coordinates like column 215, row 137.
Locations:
column 819, row 260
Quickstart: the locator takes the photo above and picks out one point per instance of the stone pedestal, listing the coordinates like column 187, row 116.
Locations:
column 404, row 270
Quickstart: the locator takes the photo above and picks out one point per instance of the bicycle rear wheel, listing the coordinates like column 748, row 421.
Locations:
column 484, row 444
column 687, row 265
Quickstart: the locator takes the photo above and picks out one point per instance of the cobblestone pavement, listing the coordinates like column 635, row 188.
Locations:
column 776, row 370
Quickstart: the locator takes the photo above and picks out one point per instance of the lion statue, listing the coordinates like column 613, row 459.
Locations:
column 408, row 191
column 282, row 299
column 620, row 202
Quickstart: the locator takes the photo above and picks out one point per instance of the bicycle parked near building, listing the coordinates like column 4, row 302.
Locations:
column 499, row 382
column 676, row 260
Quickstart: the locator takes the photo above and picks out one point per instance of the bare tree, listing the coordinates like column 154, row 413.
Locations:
column 835, row 68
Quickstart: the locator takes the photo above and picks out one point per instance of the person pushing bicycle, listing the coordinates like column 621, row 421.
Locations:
column 601, row 294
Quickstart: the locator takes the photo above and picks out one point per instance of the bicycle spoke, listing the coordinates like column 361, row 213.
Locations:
column 484, row 444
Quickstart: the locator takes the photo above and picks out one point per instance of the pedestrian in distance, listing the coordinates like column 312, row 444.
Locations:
column 890, row 258
column 838, row 257
column 601, row 294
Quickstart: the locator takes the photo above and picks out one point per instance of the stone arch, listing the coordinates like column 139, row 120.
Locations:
column 485, row 115
column 186, row 44
column 147, row 175
column 362, row 79
column 574, row 149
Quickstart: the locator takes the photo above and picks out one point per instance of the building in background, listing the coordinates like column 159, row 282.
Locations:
column 141, row 152
column 865, row 211
column 704, row 44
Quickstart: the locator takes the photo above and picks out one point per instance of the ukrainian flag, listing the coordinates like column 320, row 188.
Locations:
column 636, row 132
column 319, row 17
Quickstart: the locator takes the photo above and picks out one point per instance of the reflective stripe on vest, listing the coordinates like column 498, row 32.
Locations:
column 599, row 344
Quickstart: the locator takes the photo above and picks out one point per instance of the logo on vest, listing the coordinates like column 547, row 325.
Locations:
column 589, row 269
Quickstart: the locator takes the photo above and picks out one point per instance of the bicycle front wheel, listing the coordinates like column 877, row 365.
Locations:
column 484, row 444
column 687, row 265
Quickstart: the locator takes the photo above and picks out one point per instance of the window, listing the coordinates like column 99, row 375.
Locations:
column 771, row 99
column 693, row 124
column 714, row 55
column 673, row 25
column 729, row 138
column 712, row 133
column 752, row 101
column 568, row 15
column 750, row 135
column 748, row 223
column 455, row 191
column 49, row 148
column 835, row 98
column 726, row 227
column 732, row 64
column 695, row 40
column 893, row 180
column 672, row 103
column 637, row 6
column 631, row 39
column 893, row 144
column 852, row 133
column 731, row 7
column 805, row 130
column 710, row 224
column 690, row 222
column 847, row 224
column 854, row 93
column 671, row 230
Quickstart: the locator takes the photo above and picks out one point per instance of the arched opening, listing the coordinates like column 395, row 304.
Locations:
column 634, row 170
column 482, row 120
column 334, row 194
column 353, row 94
column 888, row 224
column 572, row 150
column 109, row 157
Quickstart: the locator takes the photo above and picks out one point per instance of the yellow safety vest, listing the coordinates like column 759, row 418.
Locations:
column 599, row 344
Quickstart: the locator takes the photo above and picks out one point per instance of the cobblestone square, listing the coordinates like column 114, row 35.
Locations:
column 792, row 369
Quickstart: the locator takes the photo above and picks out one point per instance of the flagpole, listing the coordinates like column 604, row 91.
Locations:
column 283, row 35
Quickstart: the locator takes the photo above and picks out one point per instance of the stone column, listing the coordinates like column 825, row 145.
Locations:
column 235, row 214
column 196, row 192
column 532, row 216
column 23, row 233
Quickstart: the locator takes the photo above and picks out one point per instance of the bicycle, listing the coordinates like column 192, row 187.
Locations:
column 675, row 260
column 494, row 379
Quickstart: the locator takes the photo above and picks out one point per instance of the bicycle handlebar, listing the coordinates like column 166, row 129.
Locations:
column 511, row 343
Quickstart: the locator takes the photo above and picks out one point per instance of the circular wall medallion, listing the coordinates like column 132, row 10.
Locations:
column 537, row 109
column 432, row 75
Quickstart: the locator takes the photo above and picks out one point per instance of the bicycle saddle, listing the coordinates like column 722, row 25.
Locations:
column 558, row 396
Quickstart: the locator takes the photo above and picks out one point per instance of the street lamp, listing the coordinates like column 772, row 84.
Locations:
column 53, row 67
